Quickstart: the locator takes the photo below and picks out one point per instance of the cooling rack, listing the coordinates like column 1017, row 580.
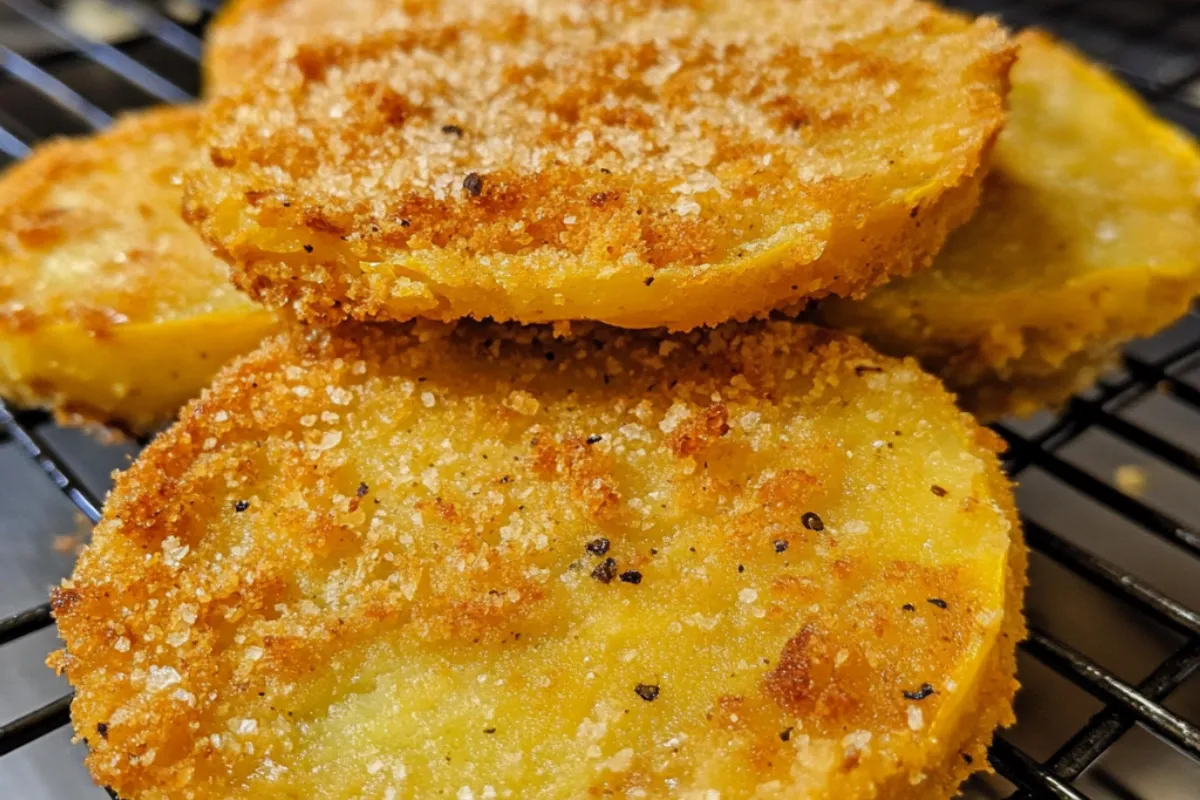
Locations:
column 1110, row 489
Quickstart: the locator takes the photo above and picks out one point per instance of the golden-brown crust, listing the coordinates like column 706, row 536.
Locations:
column 1088, row 235
column 642, row 164
column 111, row 308
column 1017, row 395
column 375, row 564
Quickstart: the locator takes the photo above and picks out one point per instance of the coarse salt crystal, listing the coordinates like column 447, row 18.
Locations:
column 916, row 720
column 161, row 678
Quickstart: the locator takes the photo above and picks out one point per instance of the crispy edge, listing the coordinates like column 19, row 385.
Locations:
column 1019, row 367
column 133, row 507
column 902, row 238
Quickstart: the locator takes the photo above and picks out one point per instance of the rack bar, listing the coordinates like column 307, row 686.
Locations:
column 12, row 146
column 1107, row 726
column 62, row 475
column 35, row 724
column 1101, row 683
column 25, row 622
column 160, row 27
column 103, row 54
column 1112, row 579
column 1153, row 521
column 63, row 96
column 1028, row 775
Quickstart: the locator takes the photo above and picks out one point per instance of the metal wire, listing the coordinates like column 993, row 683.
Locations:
column 1105, row 31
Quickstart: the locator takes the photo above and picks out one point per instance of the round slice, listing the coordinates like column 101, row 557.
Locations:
column 112, row 309
column 245, row 33
column 1088, row 236
column 648, row 164
column 483, row 562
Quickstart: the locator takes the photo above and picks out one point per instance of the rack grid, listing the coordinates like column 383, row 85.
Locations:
column 78, row 83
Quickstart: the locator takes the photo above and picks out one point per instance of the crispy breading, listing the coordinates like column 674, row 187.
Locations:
column 1088, row 236
column 1025, row 395
column 245, row 33
column 479, row 561
column 640, row 163
column 112, row 309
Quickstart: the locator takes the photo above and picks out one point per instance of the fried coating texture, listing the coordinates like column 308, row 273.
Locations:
column 1088, row 236
column 482, row 562
column 645, row 163
column 112, row 309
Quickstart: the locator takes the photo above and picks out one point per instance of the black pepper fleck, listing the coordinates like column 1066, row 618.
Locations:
column 967, row 758
column 741, row 567
column 647, row 691
column 453, row 130
column 648, row 281
column 473, row 183
column 937, row 601
column 632, row 576
column 812, row 521
column 605, row 571
column 939, row 491
column 362, row 490
column 405, row 223
column 308, row 248
column 102, row 729
column 593, row 439
column 923, row 691
column 597, row 547
column 241, row 505
column 785, row 734
column 489, row 730
column 908, row 607
column 780, row 545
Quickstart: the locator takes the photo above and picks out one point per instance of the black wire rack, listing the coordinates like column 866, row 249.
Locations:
column 69, row 82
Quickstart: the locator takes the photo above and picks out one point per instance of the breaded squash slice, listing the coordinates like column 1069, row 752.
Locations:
column 112, row 310
column 643, row 164
column 1088, row 236
column 480, row 561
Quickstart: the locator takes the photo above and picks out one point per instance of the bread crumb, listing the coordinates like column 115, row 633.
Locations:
column 1130, row 479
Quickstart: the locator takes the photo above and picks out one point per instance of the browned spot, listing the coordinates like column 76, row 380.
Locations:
column 805, row 682
column 585, row 468
column 699, row 431
column 63, row 600
column 18, row 320
column 98, row 322
column 220, row 159
column 790, row 489
column 395, row 108
column 729, row 713
column 41, row 228
column 442, row 508
column 317, row 221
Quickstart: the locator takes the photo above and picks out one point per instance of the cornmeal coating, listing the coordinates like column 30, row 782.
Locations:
column 112, row 310
column 640, row 163
column 479, row 561
column 1088, row 236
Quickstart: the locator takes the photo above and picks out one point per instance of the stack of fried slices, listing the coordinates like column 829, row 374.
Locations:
column 560, row 472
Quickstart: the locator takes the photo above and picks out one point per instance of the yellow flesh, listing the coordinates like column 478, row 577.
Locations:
column 405, row 605
column 110, row 306
column 1088, row 235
